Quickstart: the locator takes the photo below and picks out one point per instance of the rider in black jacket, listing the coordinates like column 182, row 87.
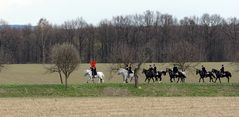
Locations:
column 155, row 69
column 175, row 69
column 222, row 69
column 204, row 70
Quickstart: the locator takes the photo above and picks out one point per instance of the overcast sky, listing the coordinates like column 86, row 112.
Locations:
column 93, row 11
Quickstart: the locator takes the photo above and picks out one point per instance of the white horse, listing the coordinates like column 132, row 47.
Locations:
column 99, row 75
column 124, row 73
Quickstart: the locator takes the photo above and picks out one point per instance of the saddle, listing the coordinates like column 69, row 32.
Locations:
column 222, row 73
column 156, row 73
column 175, row 74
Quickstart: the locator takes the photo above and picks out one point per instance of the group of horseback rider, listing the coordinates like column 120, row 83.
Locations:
column 151, row 69
column 205, row 71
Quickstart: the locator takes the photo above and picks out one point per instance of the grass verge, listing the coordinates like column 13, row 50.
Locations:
column 114, row 89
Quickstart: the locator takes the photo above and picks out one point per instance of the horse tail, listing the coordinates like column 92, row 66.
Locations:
column 102, row 77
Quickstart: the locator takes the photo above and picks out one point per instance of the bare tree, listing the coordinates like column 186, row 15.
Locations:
column 215, row 37
column 43, row 28
column 135, row 56
column 183, row 54
column 65, row 58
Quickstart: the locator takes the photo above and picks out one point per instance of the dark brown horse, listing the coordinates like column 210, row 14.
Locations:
column 158, row 75
column 205, row 75
column 181, row 76
column 148, row 75
column 220, row 75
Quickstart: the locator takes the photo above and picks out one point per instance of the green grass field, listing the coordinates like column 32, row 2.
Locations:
column 36, row 74
column 117, row 89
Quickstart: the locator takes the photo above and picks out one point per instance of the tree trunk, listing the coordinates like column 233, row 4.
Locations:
column 66, row 77
column 60, row 77
column 136, row 81
column 65, row 83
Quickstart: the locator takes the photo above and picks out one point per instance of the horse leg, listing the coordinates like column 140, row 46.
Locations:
column 100, row 79
column 178, row 80
column 219, row 79
column 203, row 80
column 160, row 79
column 228, row 79
column 88, row 80
column 124, row 80
column 211, row 79
column 131, row 79
column 93, row 80
column 153, row 79
column 199, row 79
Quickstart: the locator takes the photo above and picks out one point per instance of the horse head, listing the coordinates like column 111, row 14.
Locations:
column 87, row 72
column 164, row 73
column 215, row 71
column 144, row 71
column 168, row 70
column 197, row 71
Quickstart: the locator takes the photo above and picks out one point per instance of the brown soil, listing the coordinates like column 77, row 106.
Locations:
column 121, row 107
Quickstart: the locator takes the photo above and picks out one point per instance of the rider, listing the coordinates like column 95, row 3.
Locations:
column 175, row 69
column 155, row 69
column 93, row 67
column 151, row 69
column 129, row 69
column 222, row 69
column 204, row 70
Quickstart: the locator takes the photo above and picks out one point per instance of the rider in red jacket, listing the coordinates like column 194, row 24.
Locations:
column 93, row 67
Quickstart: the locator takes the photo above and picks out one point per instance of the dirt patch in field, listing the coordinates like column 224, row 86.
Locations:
column 121, row 107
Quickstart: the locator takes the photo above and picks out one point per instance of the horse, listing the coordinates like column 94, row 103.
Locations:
column 220, row 75
column 125, row 74
column 181, row 75
column 159, row 74
column 148, row 75
column 99, row 75
column 203, row 75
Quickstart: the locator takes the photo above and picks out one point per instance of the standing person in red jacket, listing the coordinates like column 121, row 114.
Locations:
column 93, row 67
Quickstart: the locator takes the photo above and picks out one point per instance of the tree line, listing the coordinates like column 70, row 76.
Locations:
column 162, row 37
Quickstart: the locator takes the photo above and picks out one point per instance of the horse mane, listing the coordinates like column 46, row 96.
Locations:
column 168, row 69
column 214, row 69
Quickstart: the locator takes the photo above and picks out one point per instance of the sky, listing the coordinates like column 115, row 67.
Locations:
column 93, row 11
